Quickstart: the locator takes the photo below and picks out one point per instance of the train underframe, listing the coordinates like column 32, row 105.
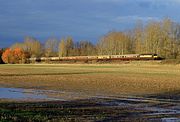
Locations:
column 91, row 60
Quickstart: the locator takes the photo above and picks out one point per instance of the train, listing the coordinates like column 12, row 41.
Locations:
column 126, row 57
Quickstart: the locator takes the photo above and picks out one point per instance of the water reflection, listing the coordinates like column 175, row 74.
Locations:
column 28, row 94
column 18, row 93
column 163, row 109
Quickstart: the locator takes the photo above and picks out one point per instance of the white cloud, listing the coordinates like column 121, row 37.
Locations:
column 134, row 18
column 137, row 0
column 108, row 0
column 151, row 1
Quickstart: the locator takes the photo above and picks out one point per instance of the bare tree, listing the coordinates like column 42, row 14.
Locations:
column 51, row 47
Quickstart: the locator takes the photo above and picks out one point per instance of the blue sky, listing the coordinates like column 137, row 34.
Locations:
column 81, row 19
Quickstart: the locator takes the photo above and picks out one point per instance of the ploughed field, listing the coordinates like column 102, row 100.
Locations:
column 133, row 79
column 102, row 92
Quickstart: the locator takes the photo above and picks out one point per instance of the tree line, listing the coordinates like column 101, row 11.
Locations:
column 160, row 37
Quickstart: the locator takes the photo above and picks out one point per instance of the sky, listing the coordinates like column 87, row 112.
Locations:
column 80, row 19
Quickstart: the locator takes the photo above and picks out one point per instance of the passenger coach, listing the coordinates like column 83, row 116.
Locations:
column 99, row 58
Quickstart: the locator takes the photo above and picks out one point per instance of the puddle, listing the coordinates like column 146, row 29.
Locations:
column 18, row 93
column 32, row 94
column 173, row 119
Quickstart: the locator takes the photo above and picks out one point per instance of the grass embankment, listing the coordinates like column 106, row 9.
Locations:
column 108, row 79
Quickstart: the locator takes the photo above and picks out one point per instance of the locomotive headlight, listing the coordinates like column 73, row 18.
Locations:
column 155, row 56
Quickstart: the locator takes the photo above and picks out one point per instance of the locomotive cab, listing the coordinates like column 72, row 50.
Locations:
column 149, row 56
column 155, row 56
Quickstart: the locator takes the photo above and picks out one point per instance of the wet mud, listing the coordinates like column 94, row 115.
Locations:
column 85, row 108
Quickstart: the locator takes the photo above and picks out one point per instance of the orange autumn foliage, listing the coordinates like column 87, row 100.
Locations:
column 13, row 56
column 18, row 55
column 7, row 55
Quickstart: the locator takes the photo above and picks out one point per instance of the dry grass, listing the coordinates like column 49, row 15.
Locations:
column 109, row 79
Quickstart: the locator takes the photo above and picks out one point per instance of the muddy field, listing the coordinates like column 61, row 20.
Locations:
column 81, row 92
column 97, row 108
column 105, row 79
